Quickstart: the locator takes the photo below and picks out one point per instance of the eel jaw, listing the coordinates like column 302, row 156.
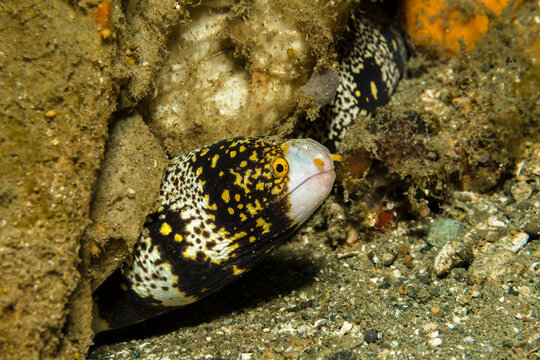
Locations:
column 311, row 177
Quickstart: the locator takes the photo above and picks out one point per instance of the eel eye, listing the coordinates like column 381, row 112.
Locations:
column 280, row 166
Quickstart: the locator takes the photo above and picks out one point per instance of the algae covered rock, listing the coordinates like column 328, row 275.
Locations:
column 237, row 69
column 56, row 97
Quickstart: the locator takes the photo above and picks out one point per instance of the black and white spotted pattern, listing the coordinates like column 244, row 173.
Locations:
column 223, row 207
column 371, row 58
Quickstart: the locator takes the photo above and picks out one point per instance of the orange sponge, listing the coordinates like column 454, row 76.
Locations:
column 442, row 23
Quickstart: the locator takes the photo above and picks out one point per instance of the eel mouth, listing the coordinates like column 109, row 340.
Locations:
column 310, row 194
column 319, row 178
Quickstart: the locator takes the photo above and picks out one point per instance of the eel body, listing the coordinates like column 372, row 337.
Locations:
column 371, row 57
column 223, row 207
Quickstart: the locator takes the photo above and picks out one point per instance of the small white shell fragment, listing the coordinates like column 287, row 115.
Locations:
column 493, row 221
column 346, row 328
column 517, row 242
column 445, row 259
column 131, row 192
column 521, row 191
column 468, row 340
column 435, row 342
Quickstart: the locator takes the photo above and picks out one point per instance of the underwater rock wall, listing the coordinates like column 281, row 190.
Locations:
column 184, row 74
column 56, row 97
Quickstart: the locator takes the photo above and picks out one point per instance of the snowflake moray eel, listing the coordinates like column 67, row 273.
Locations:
column 224, row 206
